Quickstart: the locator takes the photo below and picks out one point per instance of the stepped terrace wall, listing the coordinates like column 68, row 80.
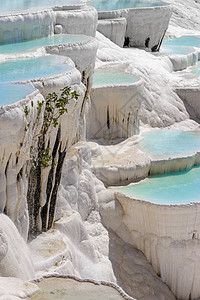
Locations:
column 146, row 26
column 20, row 26
column 19, row 134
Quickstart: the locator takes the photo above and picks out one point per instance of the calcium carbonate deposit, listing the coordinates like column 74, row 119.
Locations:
column 100, row 150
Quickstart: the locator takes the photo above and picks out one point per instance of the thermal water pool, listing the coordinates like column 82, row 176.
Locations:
column 172, row 188
column 104, row 5
column 57, row 39
column 186, row 40
column 10, row 92
column 196, row 69
column 69, row 289
column 20, row 5
column 26, row 69
column 166, row 143
column 181, row 45
column 113, row 76
column 183, row 50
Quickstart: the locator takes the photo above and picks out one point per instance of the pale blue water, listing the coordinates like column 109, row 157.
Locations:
column 196, row 69
column 10, row 92
column 112, row 76
column 25, row 69
column 105, row 5
column 184, row 50
column 57, row 39
column 173, row 188
column 20, row 5
column 187, row 40
column 170, row 143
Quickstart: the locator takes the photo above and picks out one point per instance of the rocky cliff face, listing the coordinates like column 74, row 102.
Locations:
column 22, row 175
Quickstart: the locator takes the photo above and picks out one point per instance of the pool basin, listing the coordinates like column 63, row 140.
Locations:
column 21, row 5
column 171, row 49
column 31, row 68
column 164, row 143
column 104, row 5
column 186, row 40
column 196, row 69
column 113, row 76
column 69, row 289
column 171, row 189
column 10, row 92
column 58, row 39
column 114, row 95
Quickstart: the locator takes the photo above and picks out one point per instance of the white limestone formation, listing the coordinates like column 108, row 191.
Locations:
column 128, row 162
column 119, row 164
column 15, row 259
column 181, row 62
column 78, row 243
column 16, row 289
column 83, row 55
column 69, row 250
column 78, row 184
column 114, row 109
column 169, row 238
column 134, row 274
column 113, row 29
column 72, row 286
column 87, row 249
column 15, row 153
column 145, row 28
column 184, row 17
column 161, row 107
column 191, row 98
column 20, row 146
column 59, row 140
column 17, row 27
column 77, row 19
column 175, row 164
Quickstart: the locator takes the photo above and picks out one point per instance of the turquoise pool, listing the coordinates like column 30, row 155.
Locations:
column 170, row 143
column 196, row 69
column 171, row 49
column 57, row 39
column 105, row 5
column 20, row 5
column 25, row 69
column 187, row 40
column 173, row 188
column 10, row 92
column 113, row 76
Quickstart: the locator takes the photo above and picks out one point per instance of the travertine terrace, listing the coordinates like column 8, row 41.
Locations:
column 69, row 217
